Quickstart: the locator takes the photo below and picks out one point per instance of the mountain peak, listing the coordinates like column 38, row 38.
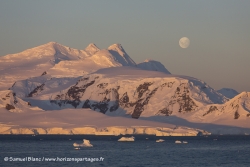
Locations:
column 116, row 47
column 92, row 49
column 92, row 45
column 119, row 53
column 153, row 65
column 52, row 44
column 148, row 60
column 48, row 47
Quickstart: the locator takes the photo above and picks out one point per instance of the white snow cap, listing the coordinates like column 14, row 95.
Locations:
column 119, row 53
column 116, row 47
column 91, row 49
column 148, row 60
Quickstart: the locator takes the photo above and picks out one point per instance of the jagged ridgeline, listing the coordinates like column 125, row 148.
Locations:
column 62, row 61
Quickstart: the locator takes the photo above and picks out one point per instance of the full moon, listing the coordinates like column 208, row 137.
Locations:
column 184, row 42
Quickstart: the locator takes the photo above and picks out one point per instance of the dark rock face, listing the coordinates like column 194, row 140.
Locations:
column 182, row 98
column 248, row 115
column 143, row 88
column 124, row 100
column 141, row 102
column 210, row 110
column 86, row 104
column 101, row 106
column 36, row 90
column 166, row 111
column 75, row 92
column 13, row 85
column 109, row 98
column 15, row 100
column 73, row 95
column 9, row 107
column 102, row 85
column 28, row 103
column 44, row 73
column 236, row 115
column 167, row 84
column 8, row 96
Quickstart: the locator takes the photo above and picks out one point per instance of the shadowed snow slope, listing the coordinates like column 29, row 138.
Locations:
column 120, row 55
column 229, row 93
column 153, row 65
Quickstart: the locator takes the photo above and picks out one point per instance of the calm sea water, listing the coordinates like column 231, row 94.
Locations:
column 58, row 151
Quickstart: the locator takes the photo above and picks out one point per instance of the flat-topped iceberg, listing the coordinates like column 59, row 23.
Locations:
column 127, row 139
column 160, row 140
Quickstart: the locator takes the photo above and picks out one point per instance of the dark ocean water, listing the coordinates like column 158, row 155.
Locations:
column 27, row 150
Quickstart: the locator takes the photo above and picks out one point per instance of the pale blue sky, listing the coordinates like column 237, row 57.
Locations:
column 219, row 31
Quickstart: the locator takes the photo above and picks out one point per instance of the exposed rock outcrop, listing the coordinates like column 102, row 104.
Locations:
column 9, row 107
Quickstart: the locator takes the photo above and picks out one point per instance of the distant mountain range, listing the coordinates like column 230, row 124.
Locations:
column 55, row 77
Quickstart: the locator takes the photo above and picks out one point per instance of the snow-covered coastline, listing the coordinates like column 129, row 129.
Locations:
column 113, row 131
column 85, row 122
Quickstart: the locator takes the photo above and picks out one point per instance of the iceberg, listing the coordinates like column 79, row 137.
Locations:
column 178, row 142
column 160, row 140
column 86, row 143
column 77, row 148
column 127, row 139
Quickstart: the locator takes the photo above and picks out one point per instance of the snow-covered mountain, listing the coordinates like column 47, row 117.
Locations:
column 35, row 61
column 91, row 49
column 229, row 93
column 60, row 61
column 131, row 92
column 120, row 55
column 56, row 77
column 106, row 88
